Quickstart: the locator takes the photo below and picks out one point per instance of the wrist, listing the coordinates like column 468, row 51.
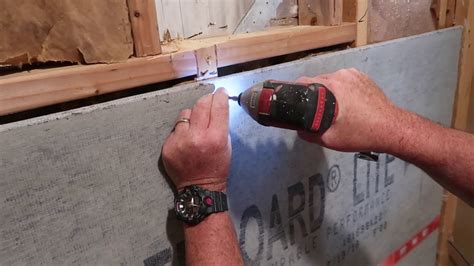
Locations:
column 209, row 221
column 399, row 134
column 210, row 184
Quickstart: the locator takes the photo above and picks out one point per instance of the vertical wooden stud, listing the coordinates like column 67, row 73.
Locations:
column 465, row 71
column 146, row 37
column 450, row 11
column 349, row 8
column 464, row 16
column 448, row 212
column 362, row 18
column 442, row 9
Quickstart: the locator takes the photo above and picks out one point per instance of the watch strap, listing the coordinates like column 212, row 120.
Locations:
column 219, row 202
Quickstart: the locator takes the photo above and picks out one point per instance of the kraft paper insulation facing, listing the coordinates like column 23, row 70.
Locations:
column 85, row 31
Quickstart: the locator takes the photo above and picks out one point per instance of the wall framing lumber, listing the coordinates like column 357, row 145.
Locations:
column 465, row 71
column 455, row 256
column 362, row 18
column 145, row 31
column 450, row 13
column 448, row 213
column 259, row 45
column 445, row 12
column 442, row 6
column 463, row 233
column 349, row 8
column 38, row 88
column 464, row 16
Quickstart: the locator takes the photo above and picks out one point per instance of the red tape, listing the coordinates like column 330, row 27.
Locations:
column 412, row 243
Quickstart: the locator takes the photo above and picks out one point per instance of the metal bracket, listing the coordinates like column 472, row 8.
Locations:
column 206, row 62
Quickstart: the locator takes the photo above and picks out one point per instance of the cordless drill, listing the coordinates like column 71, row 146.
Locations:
column 308, row 107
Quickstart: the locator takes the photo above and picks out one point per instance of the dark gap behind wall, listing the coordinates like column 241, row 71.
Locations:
column 224, row 71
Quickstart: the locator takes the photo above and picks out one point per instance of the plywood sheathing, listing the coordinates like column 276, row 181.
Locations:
column 396, row 19
column 85, row 31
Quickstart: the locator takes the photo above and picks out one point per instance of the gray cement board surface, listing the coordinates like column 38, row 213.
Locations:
column 83, row 187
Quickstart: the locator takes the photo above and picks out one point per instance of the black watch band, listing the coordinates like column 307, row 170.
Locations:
column 220, row 202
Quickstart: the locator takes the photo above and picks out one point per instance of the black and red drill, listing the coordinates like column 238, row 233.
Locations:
column 309, row 107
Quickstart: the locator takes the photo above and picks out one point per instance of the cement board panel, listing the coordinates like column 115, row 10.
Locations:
column 83, row 186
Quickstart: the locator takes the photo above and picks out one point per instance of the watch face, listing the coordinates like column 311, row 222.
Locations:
column 188, row 205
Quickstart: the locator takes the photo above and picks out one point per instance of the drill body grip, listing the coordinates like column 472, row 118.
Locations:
column 309, row 107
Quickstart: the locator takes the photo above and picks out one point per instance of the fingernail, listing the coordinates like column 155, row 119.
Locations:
column 223, row 90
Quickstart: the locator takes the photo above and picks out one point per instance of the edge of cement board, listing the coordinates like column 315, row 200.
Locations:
column 106, row 105
column 182, row 87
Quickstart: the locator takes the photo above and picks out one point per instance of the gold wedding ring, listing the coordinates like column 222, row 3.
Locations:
column 182, row 120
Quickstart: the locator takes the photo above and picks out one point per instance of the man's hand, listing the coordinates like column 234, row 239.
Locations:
column 368, row 121
column 199, row 152
column 365, row 114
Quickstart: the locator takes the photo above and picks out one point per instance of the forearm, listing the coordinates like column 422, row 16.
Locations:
column 212, row 242
column 447, row 155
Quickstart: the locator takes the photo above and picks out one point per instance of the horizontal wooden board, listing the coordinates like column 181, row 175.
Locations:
column 23, row 91
column 282, row 41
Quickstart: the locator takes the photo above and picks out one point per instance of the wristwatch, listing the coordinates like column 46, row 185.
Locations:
column 194, row 203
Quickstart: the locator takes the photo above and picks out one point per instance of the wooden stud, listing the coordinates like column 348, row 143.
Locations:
column 460, row 14
column 362, row 18
column 349, row 10
column 28, row 90
column 465, row 71
column 259, row 45
column 442, row 10
column 464, row 15
column 320, row 12
column 146, row 36
column 450, row 11
column 463, row 232
column 456, row 257
column 24, row 91
column 448, row 212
